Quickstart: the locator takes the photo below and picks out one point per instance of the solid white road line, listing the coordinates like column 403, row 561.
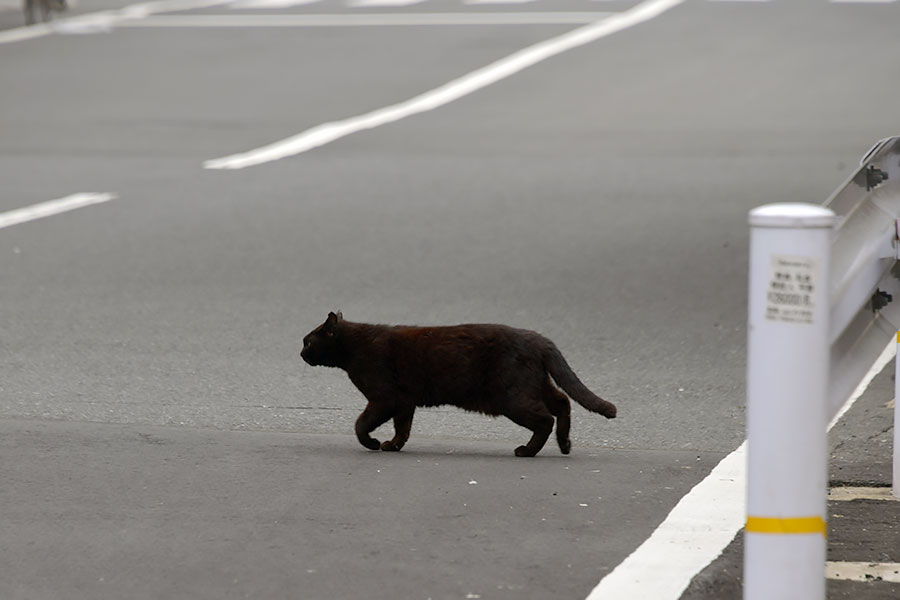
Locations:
column 886, row 356
column 52, row 207
column 700, row 525
column 693, row 534
column 453, row 90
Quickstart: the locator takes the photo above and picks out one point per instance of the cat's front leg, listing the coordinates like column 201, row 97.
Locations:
column 371, row 419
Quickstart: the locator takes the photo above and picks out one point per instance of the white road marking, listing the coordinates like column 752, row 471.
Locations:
column 145, row 9
column 104, row 20
column 699, row 527
column 497, row 1
column 453, row 90
column 886, row 356
column 19, row 34
column 847, row 493
column 244, row 4
column 693, row 534
column 52, row 207
column 381, row 3
column 367, row 20
column 863, row 571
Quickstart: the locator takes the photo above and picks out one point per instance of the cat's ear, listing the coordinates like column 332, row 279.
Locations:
column 333, row 321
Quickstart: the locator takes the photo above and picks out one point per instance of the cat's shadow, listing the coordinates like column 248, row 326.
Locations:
column 434, row 452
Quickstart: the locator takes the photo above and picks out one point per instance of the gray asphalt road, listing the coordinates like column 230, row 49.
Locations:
column 100, row 511
column 599, row 197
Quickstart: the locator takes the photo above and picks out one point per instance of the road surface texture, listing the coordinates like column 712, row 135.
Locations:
column 160, row 436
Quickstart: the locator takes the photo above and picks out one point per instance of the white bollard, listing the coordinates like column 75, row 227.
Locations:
column 895, row 487
column 787, row 379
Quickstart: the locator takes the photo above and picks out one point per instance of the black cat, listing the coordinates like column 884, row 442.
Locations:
column 492, row 369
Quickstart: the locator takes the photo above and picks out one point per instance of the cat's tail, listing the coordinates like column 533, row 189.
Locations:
column 565, row 378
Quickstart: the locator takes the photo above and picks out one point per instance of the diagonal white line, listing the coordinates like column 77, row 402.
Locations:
column 703, row 522
column 52, row 207
column 453, row 90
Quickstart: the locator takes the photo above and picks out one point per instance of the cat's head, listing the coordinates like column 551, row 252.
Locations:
column 322, row 347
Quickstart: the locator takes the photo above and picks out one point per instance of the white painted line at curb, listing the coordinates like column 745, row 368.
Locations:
column 444, row 94
column 691, row 537
column 886, row 356
column 52, row 207
column 699, row 527
column 863, row 571
column 844, row 494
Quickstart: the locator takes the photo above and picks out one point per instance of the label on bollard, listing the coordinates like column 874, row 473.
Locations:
column 789, row 296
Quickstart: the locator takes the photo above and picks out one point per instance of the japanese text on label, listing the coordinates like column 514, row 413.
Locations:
column 792, row 282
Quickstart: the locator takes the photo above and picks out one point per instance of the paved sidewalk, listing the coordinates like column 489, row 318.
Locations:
column 859, row 530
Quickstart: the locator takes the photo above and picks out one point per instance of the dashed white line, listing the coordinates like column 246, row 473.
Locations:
column 453, row 90
column 52, row 207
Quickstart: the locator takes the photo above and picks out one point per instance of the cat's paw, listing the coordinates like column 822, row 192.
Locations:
column 371, row 444
column 565, row 447
column 524, row 451
column 390, row 446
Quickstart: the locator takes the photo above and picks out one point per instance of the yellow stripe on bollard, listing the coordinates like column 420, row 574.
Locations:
column 792, row 525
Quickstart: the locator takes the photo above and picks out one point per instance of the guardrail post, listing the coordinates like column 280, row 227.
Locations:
column 787, row 380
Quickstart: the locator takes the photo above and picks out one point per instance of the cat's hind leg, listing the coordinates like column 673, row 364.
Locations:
column 402, row 425
column 559, row 406
column 536, row 418
column 374, row 416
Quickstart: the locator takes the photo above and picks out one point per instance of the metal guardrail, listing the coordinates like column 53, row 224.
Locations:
column 864, row 274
